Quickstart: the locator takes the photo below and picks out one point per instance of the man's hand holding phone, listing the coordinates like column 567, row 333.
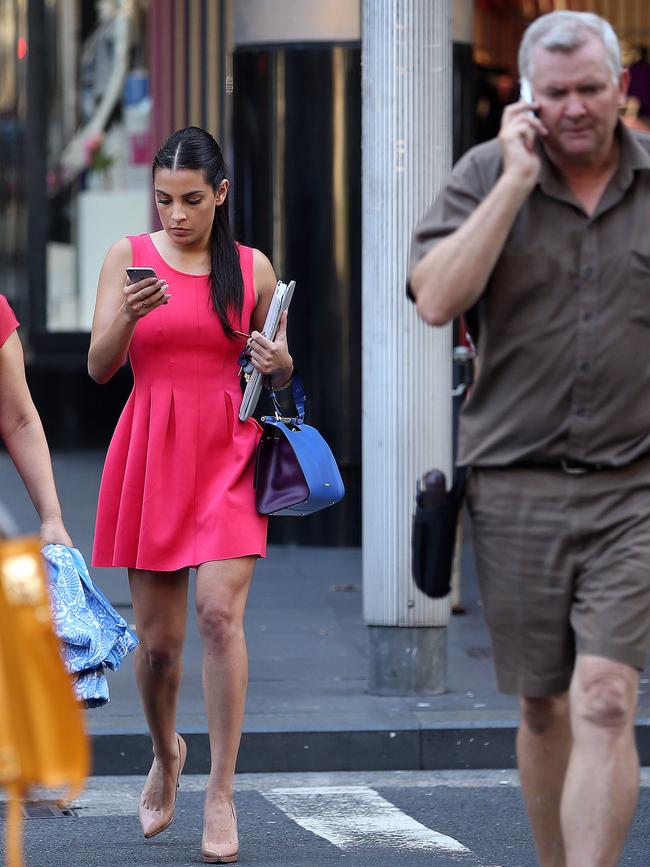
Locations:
column 520, row 127
column 143, row 292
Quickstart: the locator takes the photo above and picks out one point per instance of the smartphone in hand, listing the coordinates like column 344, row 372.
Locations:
column 135, row 274
column 525, row 90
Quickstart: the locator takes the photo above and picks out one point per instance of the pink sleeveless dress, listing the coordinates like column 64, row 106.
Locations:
column 8, row 321
column 177, row 487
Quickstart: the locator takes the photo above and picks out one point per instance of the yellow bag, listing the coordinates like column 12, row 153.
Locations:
column 42, row 737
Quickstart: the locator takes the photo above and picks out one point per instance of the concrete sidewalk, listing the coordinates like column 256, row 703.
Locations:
column 308, row 708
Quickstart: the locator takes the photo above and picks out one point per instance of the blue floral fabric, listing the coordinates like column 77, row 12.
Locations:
column 94, row 636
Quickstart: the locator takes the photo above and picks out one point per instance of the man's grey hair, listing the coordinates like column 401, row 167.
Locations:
column 566, row 32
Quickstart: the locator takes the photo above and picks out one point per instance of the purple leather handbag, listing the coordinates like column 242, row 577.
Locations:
column 295, row 472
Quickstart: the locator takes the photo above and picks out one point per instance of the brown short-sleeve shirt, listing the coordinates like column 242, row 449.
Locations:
column 564, row 340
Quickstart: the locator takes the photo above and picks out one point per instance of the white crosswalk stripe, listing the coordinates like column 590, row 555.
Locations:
column 118, row 796
column 356, row 817
column 369, row 819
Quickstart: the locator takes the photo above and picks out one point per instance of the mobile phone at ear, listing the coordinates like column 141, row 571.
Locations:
column 526, row 94
column 136, row 274
column 525, row 90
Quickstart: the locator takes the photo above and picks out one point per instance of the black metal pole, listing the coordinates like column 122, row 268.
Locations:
column 34, row 317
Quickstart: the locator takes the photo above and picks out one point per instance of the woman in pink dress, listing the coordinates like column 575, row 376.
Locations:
column 177, row 488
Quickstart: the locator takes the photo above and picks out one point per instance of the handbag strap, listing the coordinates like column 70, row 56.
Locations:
column 298, row 399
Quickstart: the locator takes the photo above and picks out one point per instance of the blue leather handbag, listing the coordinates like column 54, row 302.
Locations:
column 295, row 471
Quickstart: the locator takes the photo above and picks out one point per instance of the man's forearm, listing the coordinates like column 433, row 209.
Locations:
column 452, row 275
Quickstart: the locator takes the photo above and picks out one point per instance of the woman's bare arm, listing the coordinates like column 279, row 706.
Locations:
column 117, row 310
column 22, row 432
column 269, row 357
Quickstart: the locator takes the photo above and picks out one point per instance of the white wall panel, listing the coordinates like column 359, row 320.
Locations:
column 262, row 22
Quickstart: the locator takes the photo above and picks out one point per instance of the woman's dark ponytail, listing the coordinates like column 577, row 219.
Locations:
column 226, row 281
column 194, row 148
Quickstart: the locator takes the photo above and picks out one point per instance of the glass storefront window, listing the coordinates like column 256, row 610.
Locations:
column 13, row 99
column 76, row 114
column 99, row 147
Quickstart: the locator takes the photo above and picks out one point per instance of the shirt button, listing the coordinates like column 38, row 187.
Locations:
column 587, row 316
column 587, row 272
column 580, row 410
column 585, row 367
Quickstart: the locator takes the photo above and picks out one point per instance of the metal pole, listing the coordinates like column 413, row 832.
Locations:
column 406, row 141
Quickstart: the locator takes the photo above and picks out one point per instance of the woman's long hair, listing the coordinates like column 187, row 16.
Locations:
column 194, row 148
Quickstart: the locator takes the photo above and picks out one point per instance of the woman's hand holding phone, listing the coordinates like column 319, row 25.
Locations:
column 143, row 292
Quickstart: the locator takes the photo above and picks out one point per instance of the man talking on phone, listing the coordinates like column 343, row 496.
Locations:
column 546, row 229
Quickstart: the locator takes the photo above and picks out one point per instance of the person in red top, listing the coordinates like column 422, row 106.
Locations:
column 22, row 432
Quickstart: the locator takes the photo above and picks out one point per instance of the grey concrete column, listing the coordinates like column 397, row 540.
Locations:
column 407, row 81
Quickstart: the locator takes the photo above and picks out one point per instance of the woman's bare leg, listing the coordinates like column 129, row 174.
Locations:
column 160, row 606
column 221, row 594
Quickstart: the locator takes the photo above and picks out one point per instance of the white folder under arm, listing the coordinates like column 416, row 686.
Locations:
column 279, row 303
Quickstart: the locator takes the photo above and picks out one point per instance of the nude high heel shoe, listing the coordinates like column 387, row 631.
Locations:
column 155, row 821
column 225, row 851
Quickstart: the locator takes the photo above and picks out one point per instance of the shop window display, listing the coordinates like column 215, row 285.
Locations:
column 13, row 116
column 99, row 160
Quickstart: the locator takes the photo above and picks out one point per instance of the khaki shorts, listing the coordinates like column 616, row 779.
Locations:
column 564, row 568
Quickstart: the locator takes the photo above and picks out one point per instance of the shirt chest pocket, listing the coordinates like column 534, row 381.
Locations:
column 519, row 292
column 638, row 281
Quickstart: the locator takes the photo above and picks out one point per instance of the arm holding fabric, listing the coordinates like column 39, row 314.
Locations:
column 23, row 435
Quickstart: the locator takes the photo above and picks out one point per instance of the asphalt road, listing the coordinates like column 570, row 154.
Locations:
column 397, row 819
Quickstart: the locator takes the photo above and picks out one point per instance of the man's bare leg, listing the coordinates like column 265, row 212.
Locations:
column 543, row 747
column 602, row 781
